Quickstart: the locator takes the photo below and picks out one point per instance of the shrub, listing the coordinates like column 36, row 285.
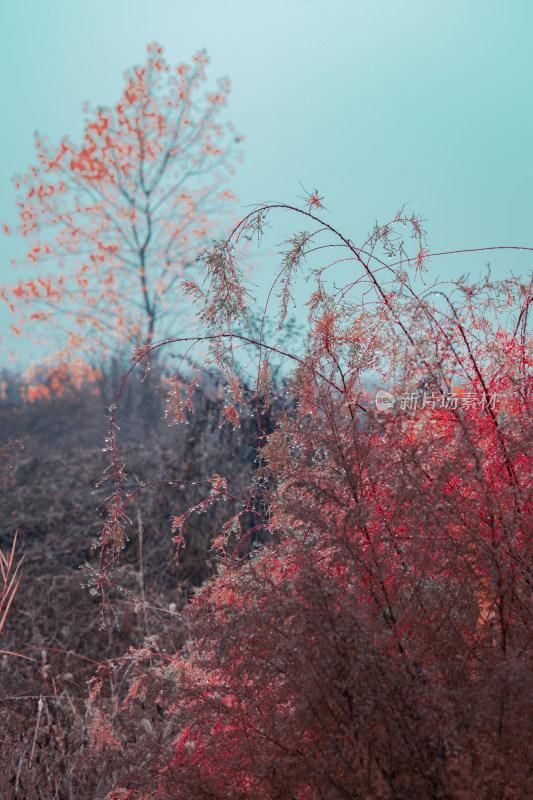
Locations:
column 378, row 643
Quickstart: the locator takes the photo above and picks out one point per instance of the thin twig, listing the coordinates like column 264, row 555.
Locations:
column 40, row 707
column 141, row 570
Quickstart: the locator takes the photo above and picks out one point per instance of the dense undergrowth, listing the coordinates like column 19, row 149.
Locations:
column 52, row 494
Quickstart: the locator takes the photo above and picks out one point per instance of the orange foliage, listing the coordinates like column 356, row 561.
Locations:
column 116, row 211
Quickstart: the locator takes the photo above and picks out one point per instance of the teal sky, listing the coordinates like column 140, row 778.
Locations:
column 376, row 104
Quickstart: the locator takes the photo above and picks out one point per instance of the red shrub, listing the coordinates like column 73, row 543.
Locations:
column 381, row 645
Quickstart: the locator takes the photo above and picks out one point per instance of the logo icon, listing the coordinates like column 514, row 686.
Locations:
column 384, row 400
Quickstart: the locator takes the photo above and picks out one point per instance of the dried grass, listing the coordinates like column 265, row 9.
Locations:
column 51, row 513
